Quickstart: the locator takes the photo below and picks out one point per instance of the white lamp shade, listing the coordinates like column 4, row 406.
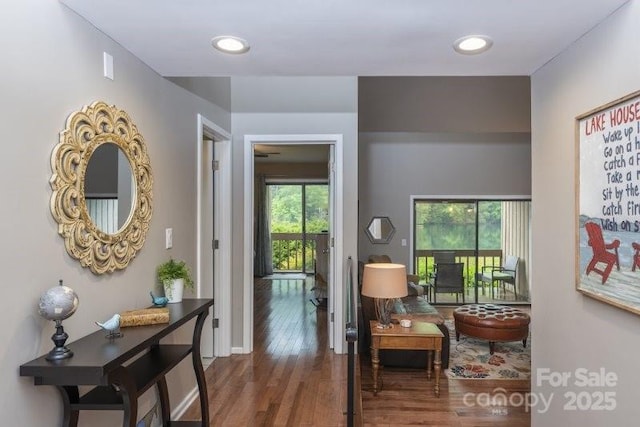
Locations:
column 384, row 280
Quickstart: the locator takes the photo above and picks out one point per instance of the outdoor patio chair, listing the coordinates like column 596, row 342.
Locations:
column 500, row 276
column 601, row 252
column 449, row 280
column 441, row 257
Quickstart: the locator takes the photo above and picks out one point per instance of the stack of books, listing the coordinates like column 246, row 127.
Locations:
column 145, row 316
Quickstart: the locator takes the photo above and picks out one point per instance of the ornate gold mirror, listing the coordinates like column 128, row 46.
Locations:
column 102, row 186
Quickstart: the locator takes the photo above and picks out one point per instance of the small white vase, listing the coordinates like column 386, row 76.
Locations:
column 173, row 291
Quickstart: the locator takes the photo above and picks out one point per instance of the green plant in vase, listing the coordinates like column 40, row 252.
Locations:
column 174, row 276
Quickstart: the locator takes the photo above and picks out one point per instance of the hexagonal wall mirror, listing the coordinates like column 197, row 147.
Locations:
column 380, row 229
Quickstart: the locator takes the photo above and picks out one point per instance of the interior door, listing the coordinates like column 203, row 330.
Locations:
column 208, row 215
column 332, row 266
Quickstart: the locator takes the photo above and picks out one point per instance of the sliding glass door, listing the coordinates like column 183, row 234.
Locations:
column 298, row 218
column 489, row 237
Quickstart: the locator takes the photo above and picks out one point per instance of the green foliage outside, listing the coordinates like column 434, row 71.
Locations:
column 452, row 225
column 425, row 267
column 286, row 217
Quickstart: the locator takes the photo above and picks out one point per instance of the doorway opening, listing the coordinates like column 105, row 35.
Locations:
column 279, row 171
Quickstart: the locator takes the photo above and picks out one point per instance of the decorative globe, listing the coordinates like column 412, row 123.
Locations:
column 58, row 303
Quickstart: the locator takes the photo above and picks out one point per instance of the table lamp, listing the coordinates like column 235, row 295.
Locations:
column 384, row 282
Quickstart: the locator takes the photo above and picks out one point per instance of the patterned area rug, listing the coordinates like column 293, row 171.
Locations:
column 470, row 359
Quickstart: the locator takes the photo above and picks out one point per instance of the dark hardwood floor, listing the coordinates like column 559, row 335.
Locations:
column 407, row 399
column 292, row 378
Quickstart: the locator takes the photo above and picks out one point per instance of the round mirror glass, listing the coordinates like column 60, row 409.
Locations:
column 109, row 188
column 380, row 229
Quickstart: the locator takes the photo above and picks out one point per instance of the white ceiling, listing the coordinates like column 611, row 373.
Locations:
column 344, row 37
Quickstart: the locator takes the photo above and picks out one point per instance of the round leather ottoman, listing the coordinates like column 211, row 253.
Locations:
column 494, row 323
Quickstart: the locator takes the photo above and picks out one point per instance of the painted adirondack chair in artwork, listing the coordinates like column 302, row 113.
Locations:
column 601, row 252
column 636, row 255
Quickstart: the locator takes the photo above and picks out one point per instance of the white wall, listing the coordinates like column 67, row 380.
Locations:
column 52, row 66
column 569, row 330
column 291, row 105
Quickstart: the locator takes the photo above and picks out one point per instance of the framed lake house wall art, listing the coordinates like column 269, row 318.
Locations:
column 608, row 203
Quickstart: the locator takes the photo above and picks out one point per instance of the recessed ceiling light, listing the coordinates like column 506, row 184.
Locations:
column 230, row 44
column 471, row 45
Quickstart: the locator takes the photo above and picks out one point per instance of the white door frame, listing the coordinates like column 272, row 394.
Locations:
column 336, row 303
column 222, row 230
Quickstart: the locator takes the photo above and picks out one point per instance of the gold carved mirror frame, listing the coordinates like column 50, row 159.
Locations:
column 85, row 131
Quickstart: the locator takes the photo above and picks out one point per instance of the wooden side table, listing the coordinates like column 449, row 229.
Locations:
column 420, row 336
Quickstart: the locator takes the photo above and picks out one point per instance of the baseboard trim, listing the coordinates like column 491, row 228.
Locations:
column 237, row 350
column 182, row 407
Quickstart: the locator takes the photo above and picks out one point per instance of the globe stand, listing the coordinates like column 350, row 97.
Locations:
column 59, row 352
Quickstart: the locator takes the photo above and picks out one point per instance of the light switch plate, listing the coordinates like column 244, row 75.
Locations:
column 168, row 238
column 108, row 65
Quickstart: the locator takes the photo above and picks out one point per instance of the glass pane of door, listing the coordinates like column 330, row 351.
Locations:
column 299, row 215
column 316, row 208
column 489, row 249
column 491, row 239
column 504, row 249
column 445, row 227
column 286, row 226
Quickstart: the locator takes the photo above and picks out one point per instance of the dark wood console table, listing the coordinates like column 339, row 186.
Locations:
column 102, row 362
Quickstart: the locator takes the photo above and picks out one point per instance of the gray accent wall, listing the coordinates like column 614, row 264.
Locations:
column 438, row 137
column 478, row 104
column 394, row 166
column 52, row 66
column 101, row 177
column 570, row 330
